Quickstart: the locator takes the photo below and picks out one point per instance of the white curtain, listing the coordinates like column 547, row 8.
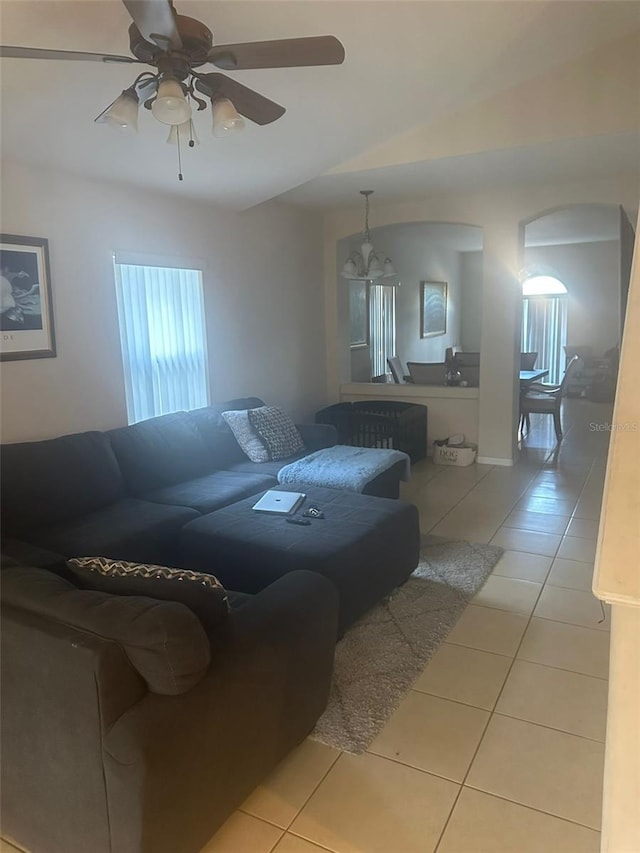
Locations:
column 162, row 333
column 382, row 326
column 544, row 330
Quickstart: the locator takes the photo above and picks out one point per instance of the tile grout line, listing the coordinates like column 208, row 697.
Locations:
column 321, row 780
column 491, row 713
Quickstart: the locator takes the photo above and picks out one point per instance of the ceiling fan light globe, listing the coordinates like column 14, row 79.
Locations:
column 122, row 115
column 170, row 105
column 226, row 119
column 186, row 132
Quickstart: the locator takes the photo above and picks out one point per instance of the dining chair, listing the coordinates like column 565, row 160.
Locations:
column 528, row 360
column 542, row 399
column 427, row 373
column 395, row 366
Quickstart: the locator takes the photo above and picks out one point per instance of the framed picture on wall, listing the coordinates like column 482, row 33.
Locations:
column 26, row 309
column 358, row 314
column 433, row 308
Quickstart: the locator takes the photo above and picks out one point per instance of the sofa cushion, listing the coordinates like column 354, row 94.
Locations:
column 223, row 448
column 216, row 490
column 277, row 431
column 130, row 529
column 163, row 640
column 48, row 482
column 202, row 593
column 246, row 435
column 160, row 452
column 269, row 468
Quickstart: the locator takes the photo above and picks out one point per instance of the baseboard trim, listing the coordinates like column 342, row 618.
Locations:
column 494, row 460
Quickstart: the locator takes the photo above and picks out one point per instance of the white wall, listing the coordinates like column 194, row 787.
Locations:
column 263, row 298
column 418, row 256
column 590, row 272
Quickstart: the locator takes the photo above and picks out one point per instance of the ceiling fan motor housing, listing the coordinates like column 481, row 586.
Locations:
column 197, row 41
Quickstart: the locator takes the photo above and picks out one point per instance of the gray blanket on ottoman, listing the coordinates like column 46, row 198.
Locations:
column 343, row 467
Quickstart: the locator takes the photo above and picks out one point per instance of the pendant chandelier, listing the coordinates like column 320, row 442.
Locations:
column 366, row 265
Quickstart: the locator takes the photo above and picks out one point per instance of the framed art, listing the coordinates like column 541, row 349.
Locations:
column 433, row 308
column 26, row 309
column 358, row 314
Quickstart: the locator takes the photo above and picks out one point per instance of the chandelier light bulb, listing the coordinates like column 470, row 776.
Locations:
column 350, row 270
column 170, row 105
column 389, row 269
column 375, row 267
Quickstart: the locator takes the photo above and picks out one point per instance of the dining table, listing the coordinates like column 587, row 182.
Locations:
column 527, row 377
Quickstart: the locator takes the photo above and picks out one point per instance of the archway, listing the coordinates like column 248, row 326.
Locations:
column 580, row 248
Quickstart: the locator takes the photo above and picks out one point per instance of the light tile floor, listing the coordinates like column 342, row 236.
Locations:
column 499, row 746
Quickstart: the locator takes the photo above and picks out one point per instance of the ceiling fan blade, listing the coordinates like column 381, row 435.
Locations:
column 156, row 21
column 248, row 102
column 38, row 53
column 282, row 53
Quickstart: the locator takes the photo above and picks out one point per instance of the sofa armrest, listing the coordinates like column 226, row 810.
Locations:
column 278, row 647
column 267, row 686
column 15, row 552
column 317, row 436
column 297, row 607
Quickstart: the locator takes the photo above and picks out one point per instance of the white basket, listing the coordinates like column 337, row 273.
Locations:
column 460, row 456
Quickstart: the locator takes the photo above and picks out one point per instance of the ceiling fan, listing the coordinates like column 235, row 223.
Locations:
column 175, row 46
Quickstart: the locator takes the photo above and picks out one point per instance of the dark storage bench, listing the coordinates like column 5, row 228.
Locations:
column 380, row 423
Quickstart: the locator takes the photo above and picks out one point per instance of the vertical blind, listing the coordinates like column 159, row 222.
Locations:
column 382, row 326
column 162, row 334
column 544, row 330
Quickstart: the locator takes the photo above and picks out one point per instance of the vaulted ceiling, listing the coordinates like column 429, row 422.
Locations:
column 408, row 64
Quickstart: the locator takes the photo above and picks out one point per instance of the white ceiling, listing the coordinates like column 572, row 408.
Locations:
column 568, row 159
column 407, row 63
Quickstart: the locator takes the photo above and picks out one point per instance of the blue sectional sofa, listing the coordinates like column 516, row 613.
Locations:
column 127, row 493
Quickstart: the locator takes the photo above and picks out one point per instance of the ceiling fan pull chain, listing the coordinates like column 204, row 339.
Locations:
column 180, row 178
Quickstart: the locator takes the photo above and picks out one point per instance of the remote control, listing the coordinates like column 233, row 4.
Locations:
column 303, row 522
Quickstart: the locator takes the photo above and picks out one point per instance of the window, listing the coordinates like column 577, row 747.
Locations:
column 382, row 322
column 544, row 322
column 162, row 334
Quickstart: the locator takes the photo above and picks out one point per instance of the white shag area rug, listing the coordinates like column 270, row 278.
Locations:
column 382, row 654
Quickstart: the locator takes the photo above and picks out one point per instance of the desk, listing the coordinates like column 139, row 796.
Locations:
column 529, row 376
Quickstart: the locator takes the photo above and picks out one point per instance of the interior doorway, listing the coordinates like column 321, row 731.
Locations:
column 544, row 324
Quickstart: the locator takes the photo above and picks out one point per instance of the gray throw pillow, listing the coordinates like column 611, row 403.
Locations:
column 246, row 436
column 201, row 592
column 277, row 431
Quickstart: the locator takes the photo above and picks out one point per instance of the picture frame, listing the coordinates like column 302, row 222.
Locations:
column 26, row 303
column 358, row 314
column 433, row 308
